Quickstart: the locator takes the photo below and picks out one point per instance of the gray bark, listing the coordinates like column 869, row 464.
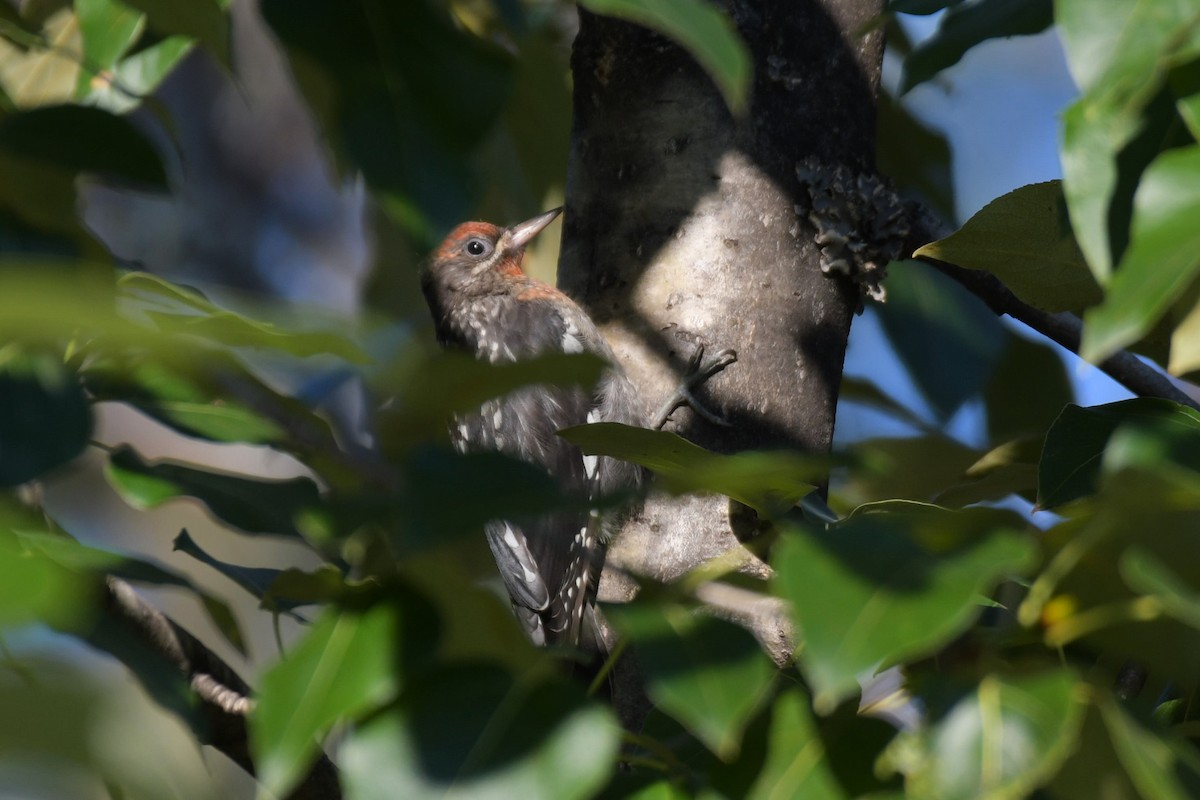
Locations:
column 681, row 229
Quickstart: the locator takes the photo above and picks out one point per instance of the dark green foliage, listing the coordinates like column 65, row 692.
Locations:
column 1009, row 638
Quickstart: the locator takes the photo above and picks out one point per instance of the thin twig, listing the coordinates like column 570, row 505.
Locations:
column 225, row 697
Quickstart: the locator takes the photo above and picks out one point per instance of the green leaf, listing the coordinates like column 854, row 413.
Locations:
column 82, row 139
column 709, row 674
column 1159, row 765
column 176, row 309
column 906, row 468
column 109, row 29
column 1184, row 359
column 1162, row 260
column 965, row 25
column 33, row 74
column 1027, row 391
column 701, row 29
column 45, row 419
column 1120, row 53
column 138, row 75
column 931, row 321
column 1165, row 446
column 254, row 505
column 202, row 20
column 1004, row 739
column 473, row 732
column 1075, row 444
column 890, row 583
column 353, row 660
column 81, row 559
column 447, row 494
column 1150, row 576
column 1024, row 238
column 769, row 482
column 914, row 155
column 428, row 390
column 184, row 395
column 1010, row 468
column 255, row 580
column 36, row 588
column 802, row 758
column 1093, row 770
column 408, row 75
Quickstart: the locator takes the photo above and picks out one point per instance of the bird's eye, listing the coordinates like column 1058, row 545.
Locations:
column 478, row 247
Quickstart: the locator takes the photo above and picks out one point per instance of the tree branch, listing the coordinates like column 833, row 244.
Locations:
column 1066, row 329
column 224, row 696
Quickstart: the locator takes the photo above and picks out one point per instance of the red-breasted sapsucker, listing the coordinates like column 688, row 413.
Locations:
column 482, row 301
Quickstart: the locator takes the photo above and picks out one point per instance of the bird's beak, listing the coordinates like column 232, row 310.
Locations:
column 520, row 234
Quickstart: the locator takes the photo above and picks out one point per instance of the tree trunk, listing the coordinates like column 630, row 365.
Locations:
column 681, row 229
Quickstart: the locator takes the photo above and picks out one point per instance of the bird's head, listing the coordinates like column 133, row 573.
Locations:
column 477, row 253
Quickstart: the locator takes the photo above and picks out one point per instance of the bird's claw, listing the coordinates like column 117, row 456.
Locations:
column 698, row 373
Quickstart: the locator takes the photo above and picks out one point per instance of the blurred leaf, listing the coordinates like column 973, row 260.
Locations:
column 709, row 674
column 81, row 559
column 1024, row 238
column 1162, row 260
column 1184, row 359
column 136, row 76
column 45, row 419
column 474, row 732
column 294, row 587
column 42, row 196
column 913, row 154
column 1159, row 765
column 1005, row 739
column 967, row 24
column 179, row 394
column 769, row 482
column 1119, row 53
column 254, row 505
column 352, row 660
column 430, row 389
column 101, row 734
column 403, row 94
column 1027, row 391
column 907, row 468
column 1075, row 444
column 44, row 70
column 889, row 583
column 255, row 580
column 931, row 322
column 868, row 393
column 702, row 29
column 177, row 309
column 1008, row 469
column 1162, row 445
column 108, row 29
column 202, row 20
column 447, row 494
column 788, row 753
column 82, row 139
column 1093, row 769
column 1083, row 599
column 36, row 588
column 1146, row 574
column 475, row 611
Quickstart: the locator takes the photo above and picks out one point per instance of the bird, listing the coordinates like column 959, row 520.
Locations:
column 482, row 301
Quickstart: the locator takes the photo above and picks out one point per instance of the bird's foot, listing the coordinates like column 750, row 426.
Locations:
column 698, row 373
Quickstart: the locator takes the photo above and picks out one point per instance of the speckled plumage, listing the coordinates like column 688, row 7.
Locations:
column 482, row 301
